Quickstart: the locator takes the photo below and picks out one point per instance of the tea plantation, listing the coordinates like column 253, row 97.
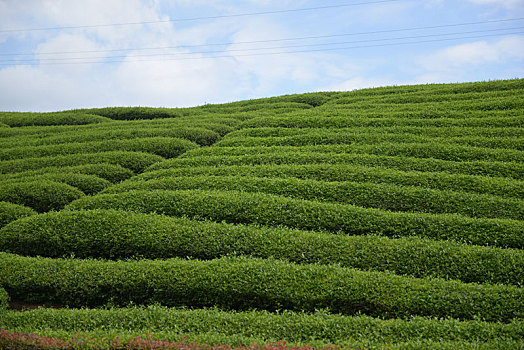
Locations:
column 385, row 218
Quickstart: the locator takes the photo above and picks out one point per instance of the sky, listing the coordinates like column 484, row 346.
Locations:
column 66, row 54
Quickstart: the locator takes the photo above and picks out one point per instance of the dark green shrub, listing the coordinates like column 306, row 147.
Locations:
column 200, row 136
column 503, row 187
column 131, row 113
column 55, row 118
column 40, row 195
column 362, row 194
column 112, row 234
column 318, row 327
column 431, row 149
column 241, row 283
column 4, row 299
column 110, row 172
column 264, row 209
column 11, row 212
column 89, row 184
column 135, row 161
column 220, row 156
column 162, row 146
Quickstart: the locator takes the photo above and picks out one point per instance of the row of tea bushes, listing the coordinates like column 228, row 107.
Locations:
column 113, row 173
column 265, row 209
column 111, row 234
column 422, row 96
column 246, row 283
column 89, row 184
column 498, row 186
column 214, row 326
column 229, row 156
column 436, row 150
column 422, row 119
column 135, row 161
column 16, row 119
column 166, row 147
column 283, row 137
column 40, row 195
column 11, row 212
column 201, row 136
column 427, row 131
column 362, row 194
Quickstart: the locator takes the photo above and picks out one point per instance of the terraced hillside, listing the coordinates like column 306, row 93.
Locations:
column 379, row 218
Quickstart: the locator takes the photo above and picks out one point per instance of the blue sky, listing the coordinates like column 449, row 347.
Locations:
column 365, row 43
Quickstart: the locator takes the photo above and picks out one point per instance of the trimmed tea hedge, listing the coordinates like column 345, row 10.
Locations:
column 40, row 195
column 363, row 194
column 347, row 137
column 241, row 283
column 4, row 298
column 499, row 186
column 89, row 184
column 55, row 118
column 112, row 234
column 162, row 146
column 260, row 326
column 429, row 149
column 11, row 212
column 260, row 156
column 135, row 161
column 487, row 133
column 111, row 172
column 200, row 136
column 264, row 209
column 344, row 118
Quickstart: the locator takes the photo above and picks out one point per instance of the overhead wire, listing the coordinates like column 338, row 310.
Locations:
column 269, row 40
column 205, row 17
column 283, row 52
column 259, row 48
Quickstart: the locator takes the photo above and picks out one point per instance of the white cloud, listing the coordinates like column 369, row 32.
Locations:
column 475, row 54
column 156, row 82
column 509, row 4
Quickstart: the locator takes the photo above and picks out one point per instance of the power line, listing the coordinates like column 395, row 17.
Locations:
column 206, row 17
column 286, row 52
column 268, row 40
column 264, row 48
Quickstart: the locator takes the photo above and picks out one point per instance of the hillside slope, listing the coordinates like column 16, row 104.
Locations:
column 379, row 218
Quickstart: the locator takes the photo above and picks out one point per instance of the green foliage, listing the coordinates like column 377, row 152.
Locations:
column 11, row 212
column 111, row 172
column 450, row 152
column 112, row 234
column 319, row 136
column 216, row 156
column 89, row 184
column 241, row 283
column 412, row 195
column 318, row 328
column 4, row 298
column 200, row 136
column 163, row 146
column 264, row 209
column 55, row 118
column 363, row 194
column 135, row 161
column 40, row 195
column 503, row 187
column 130, row 113
column 423, row 119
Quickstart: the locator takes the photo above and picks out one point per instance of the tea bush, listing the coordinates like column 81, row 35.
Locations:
column 111, row 234
column 242, row 283
column 264, row 209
